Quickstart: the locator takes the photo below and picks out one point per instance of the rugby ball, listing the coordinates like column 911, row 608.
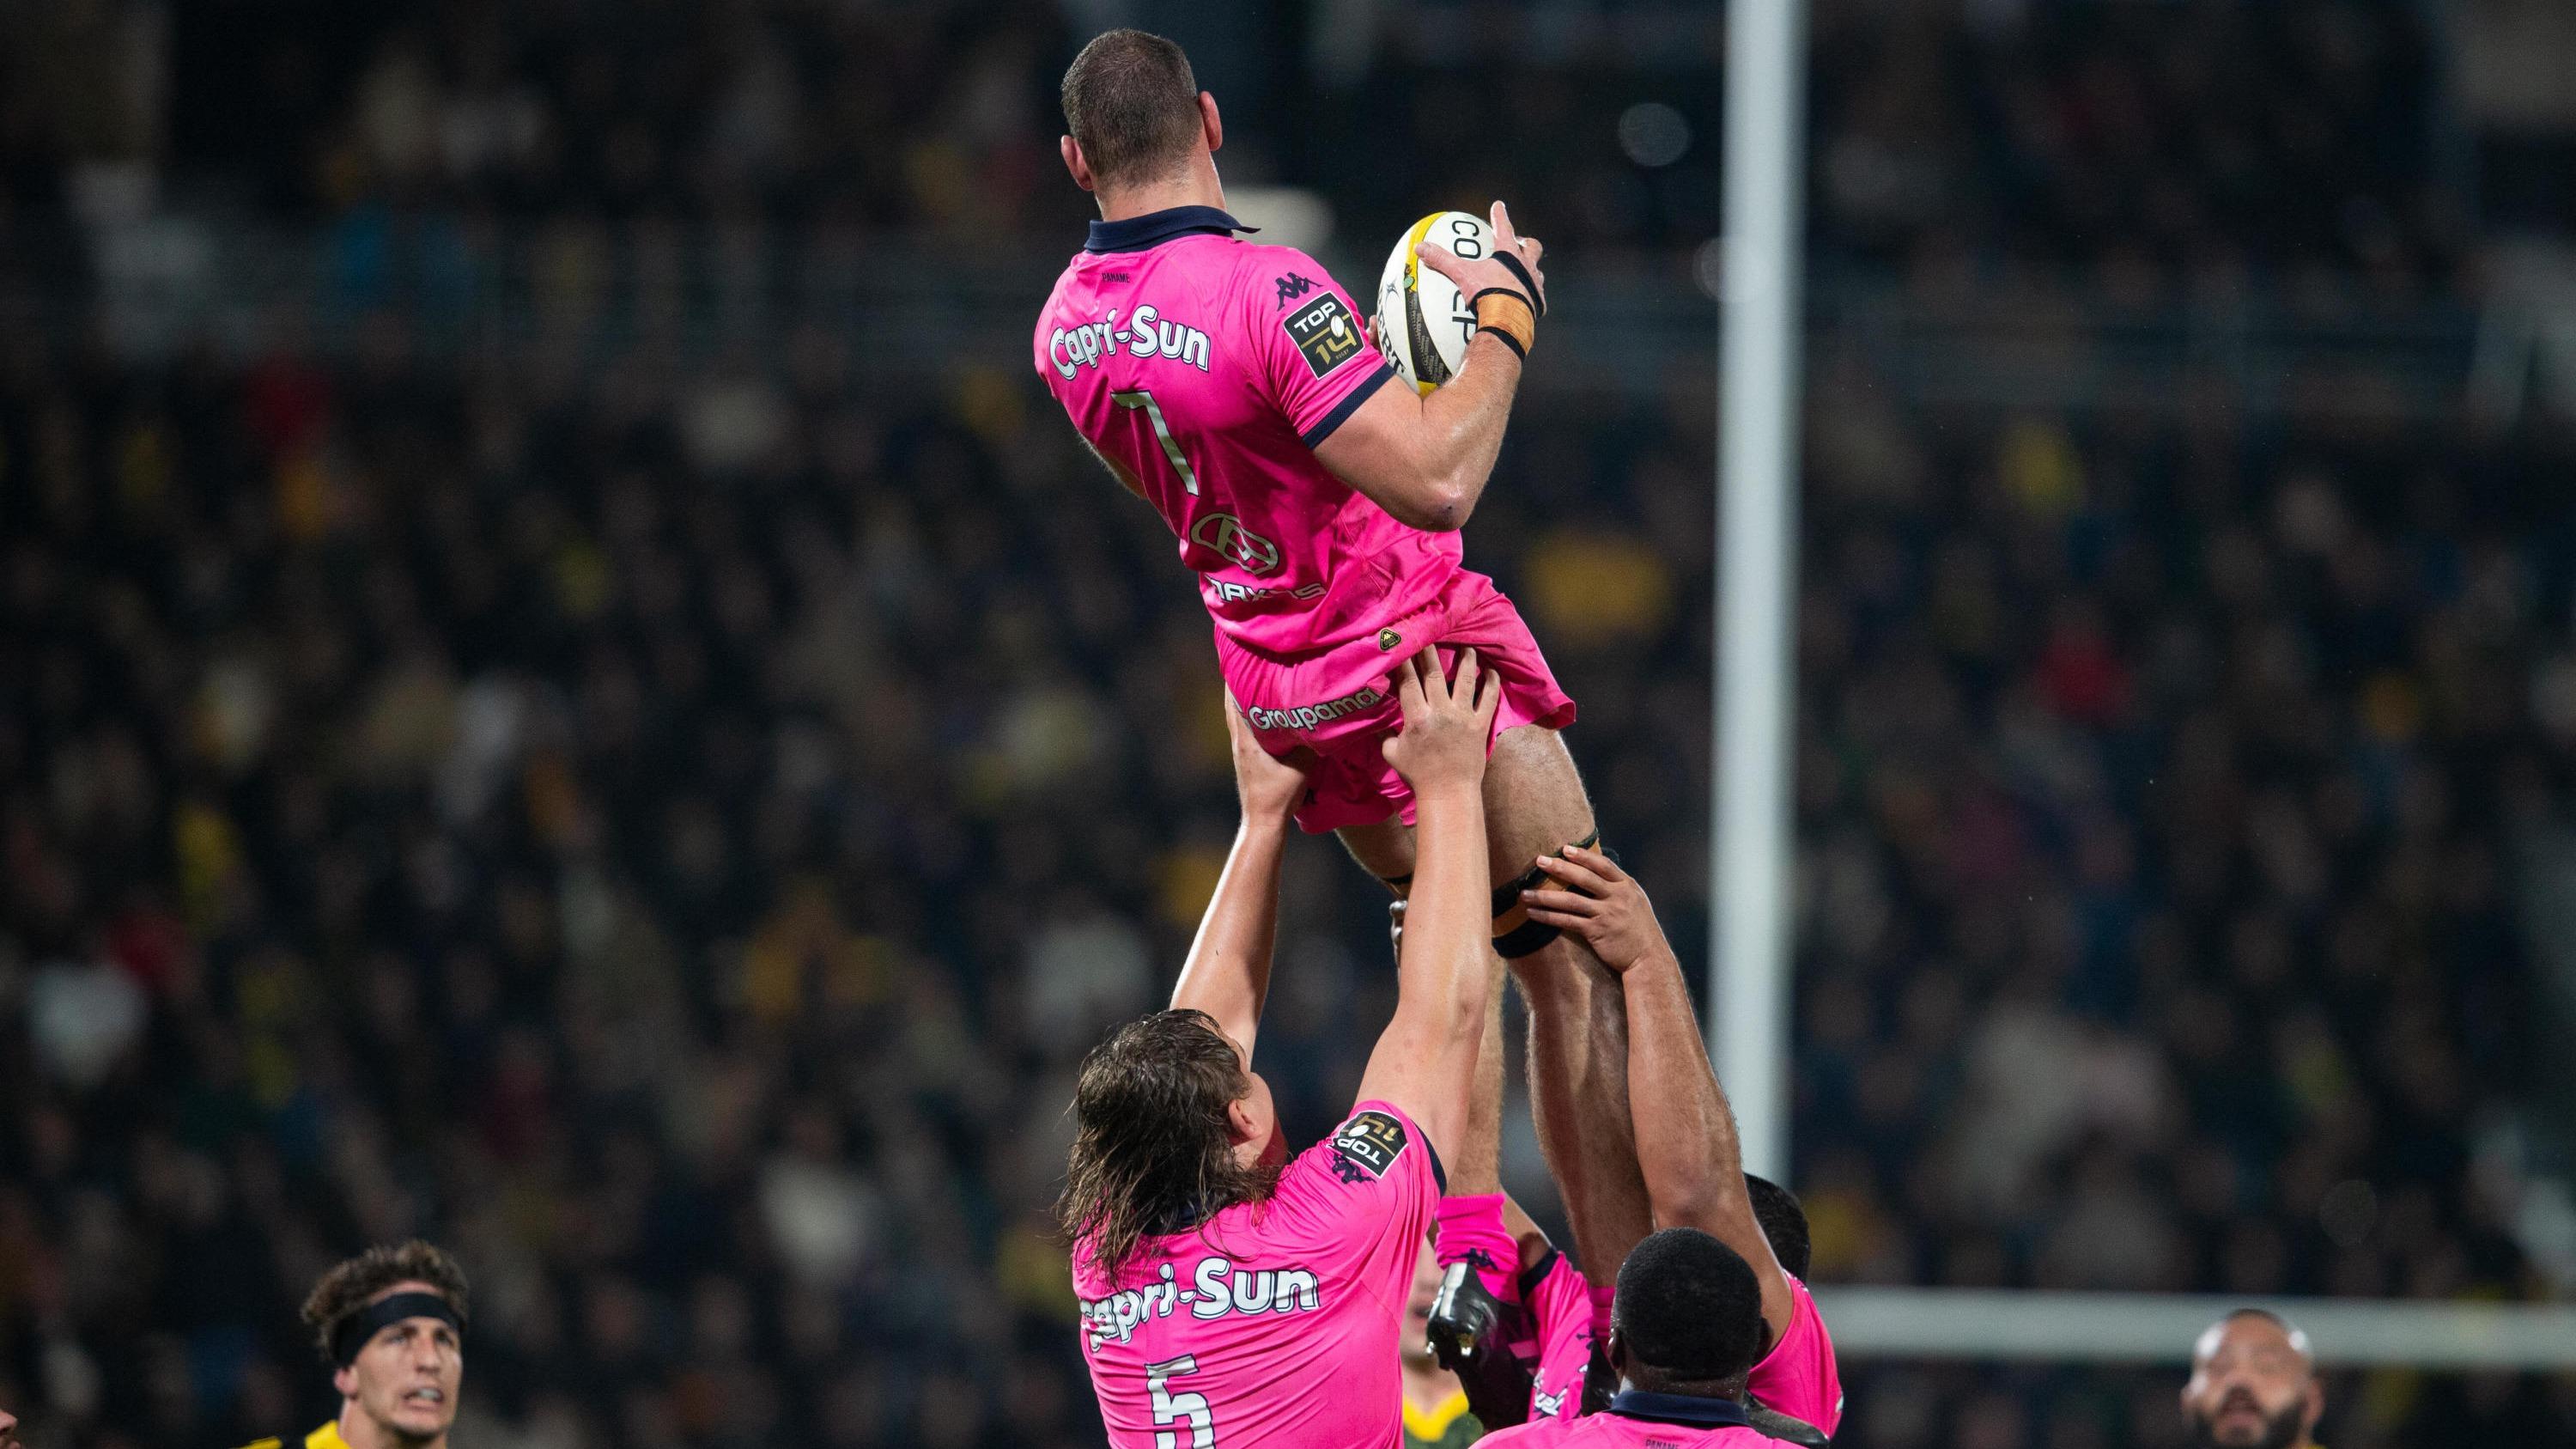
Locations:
column 1423, row 322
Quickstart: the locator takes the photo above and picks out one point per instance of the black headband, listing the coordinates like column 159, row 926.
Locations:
column 354, row 1331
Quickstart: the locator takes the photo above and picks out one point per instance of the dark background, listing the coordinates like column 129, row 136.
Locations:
column 561, row 690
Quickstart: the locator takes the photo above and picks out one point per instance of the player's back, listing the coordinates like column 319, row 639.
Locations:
column 1274, row 1324
column 1209, row 368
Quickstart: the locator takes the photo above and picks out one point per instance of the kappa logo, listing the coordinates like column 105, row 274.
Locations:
column 1292, row 287
column 1245, row 549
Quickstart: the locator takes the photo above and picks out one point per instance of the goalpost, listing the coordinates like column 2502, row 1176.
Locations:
column 1750, row 854
column 2008, row 1326
column 1757, row 541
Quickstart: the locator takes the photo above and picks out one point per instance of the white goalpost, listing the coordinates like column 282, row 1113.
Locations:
column 2004, row 1325
column 1750, row 855
column 1757, row 541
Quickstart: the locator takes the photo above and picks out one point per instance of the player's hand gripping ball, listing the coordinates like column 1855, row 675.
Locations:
column 1450, row 276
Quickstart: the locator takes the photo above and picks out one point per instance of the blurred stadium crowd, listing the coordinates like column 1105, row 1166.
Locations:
column 670, row 837
column 2146, row 147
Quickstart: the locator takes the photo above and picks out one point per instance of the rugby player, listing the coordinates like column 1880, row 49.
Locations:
column 1436, row 1412
column 2253, row 1385
column 1685, row 1131
column 1233, row 386
column 1229, row 1294
column 391, row 1323
column 1685, row 1329
column 1514, row 1321
column 1784, row 1226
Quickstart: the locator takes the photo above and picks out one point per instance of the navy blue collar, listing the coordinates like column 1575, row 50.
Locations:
column 1136, row 233
column 1679, row 1409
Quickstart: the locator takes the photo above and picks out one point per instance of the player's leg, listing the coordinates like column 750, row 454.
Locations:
column 1384, row 850
column 1479, row 1330
column 1578, row 1019
column 1535, row 804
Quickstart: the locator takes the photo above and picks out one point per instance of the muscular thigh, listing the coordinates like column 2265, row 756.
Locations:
column 1534, row 800
column 1534, row 803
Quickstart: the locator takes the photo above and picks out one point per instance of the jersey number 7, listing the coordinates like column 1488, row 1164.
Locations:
column 1172, row 1408
column 1140, row 398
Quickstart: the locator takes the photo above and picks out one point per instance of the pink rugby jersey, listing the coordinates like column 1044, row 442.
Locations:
column 1637, row 1420
column 1274, row 1324
column 1798, row 1377
column 1210, row 367
column 1559, row 1301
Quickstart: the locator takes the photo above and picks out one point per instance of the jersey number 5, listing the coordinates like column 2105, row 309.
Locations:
column 1184, row 1408
column 1163, row 430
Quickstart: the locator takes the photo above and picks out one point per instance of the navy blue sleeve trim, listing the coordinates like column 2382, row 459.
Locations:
column 1439, row 1174
column 1350, row 403
column 1536, row 1273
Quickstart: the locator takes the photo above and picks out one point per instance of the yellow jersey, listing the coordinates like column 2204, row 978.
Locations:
column 326, row 1437
column 1448, row 1427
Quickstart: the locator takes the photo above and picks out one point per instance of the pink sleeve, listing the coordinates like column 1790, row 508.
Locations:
column 1561, row 1301
column 1367, row 1192
column 1472, row 1231
column 1314, row 360
column 1797, row 1377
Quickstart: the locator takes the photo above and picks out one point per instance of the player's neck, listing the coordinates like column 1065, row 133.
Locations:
column 1654, row 1383
column 1426, row 1384
column 1198, row 186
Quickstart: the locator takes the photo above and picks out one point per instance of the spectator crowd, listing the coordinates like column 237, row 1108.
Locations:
column 437, row 802
column 669, row 837
column 2145, row 149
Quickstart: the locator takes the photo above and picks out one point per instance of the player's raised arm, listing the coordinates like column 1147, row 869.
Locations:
column 1475, row 1161
column 1227, row 974
column 1425, row 459
column 1686, row 1144
column 1425, row 1061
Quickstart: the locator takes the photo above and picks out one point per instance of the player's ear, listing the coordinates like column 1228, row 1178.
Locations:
column 1211, row 125
column 2315, row 1404
column 1071, row 151
column 344, row 1381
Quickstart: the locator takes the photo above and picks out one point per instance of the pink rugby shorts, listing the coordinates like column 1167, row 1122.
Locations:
column 1341, row 703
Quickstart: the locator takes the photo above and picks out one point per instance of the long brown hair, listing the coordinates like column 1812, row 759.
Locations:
column 1152, row 1150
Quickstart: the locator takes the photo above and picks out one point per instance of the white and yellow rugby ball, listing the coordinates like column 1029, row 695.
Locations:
column 1423, row 322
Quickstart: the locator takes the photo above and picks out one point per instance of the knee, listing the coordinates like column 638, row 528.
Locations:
column 1515, row 935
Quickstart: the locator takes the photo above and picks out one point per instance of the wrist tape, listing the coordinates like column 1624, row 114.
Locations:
column 1508, row 316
